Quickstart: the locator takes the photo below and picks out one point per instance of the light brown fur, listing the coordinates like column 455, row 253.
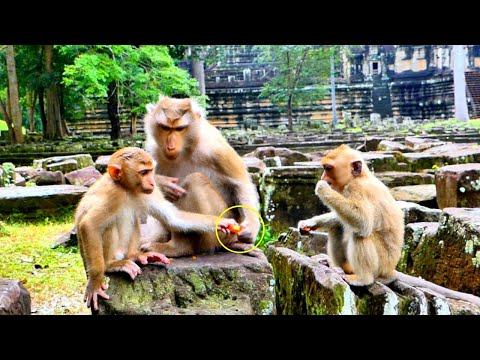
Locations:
column 366, row 226
column 107, row 220
column 183, row 142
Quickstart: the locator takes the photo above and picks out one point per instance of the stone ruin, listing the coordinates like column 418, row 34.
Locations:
column 435, row 181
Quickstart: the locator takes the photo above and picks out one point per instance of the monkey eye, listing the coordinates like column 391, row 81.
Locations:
column 165, row 127
column 180, row 128
column 327, row 167
column 144, row 172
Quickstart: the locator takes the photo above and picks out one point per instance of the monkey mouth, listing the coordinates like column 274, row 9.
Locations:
column 147, row 191
column 171, row 156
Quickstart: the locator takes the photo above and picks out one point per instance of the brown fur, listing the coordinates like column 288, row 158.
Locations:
column 366, row 226
column 198, row 147
column 107, row 219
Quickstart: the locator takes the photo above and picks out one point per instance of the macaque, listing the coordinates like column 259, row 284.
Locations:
column 183, row 142
column 365, row 226
column 108, row 224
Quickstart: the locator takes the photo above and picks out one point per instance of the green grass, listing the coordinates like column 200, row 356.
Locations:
column 450, row 123
column 55, row 278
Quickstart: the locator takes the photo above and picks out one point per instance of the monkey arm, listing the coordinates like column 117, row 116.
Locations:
column 90, row 240
column 351, row 211
column 175, row 219
column 325, row 222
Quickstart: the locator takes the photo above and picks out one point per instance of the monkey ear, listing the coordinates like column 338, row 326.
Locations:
column 356, row 167
column 150, row 107
column 115, row 172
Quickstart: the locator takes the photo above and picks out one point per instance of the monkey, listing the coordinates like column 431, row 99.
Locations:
column 183, row 142
column 108, row 223
column 365, row 226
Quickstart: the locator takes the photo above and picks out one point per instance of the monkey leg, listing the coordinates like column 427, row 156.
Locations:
column 239, row 246
column 127, row 266
column 336, row 248
column 363, row 257
column 202, row 197
column 178, row 246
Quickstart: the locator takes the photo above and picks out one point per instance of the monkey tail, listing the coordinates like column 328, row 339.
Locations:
column 414, row 281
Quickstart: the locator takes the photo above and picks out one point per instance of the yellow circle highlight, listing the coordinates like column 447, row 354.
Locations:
column 246, row 207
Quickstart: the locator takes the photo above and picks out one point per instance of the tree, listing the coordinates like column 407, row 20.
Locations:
column 299, row 76
column 124, row 75
column 459, row 84
column 11, row 108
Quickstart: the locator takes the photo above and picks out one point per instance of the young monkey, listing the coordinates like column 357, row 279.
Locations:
column 366, row 226
column 108, row 225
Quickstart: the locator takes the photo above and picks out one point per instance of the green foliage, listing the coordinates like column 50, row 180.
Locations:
column 270, row 236
column 301, row 72
column 9, row 171
column 141, row 74
column 55, row 278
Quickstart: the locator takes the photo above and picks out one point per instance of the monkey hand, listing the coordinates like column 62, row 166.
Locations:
column 247, row 236
column 92, row 292
column 321, row 186
column 224, row 225
column 305, row 226
column 170, row 189
column 152, row 257
column 129, row 267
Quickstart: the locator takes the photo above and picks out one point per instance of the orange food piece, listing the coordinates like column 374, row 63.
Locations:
column 194, row 257
column 234, row 228
column 307, row 229
column 171, row 259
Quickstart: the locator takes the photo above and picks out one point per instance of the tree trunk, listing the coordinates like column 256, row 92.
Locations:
column 332, row 86
column 289, row 111
column 8, row 120
column 198, row 72
column 461, row 108
column 54, row 119
column 31, row 100
column 113, row 115
column 41, row 104
column 133, row 125
column 15, row 114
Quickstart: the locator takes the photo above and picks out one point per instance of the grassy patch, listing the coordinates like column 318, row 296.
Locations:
column 55, row 278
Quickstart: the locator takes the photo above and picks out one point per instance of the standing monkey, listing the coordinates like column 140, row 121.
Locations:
column 366, row 226
column 186, row 147
column 108, row 225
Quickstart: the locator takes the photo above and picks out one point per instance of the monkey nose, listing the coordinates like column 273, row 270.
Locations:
column 170, row 148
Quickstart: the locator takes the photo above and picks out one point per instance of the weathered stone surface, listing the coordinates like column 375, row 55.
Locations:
column 306, row 287
column 254, row 165
column 67, row 239
column 401, row 178
column 371, row 143
column 45, row 198
column 83, row 160
column 437, row 304
column 312, row 244
column 424, row 195
column 459, row 307
column 65, row 166
column 288, row 195
column 14, row 298
column 388, row 145
column 380, row 162
column 222, row 283
column 417, row 213
column 412, row 301
column 287, row 157
column 458, row 185
column 27, row 172
column 415, row 233
column 451, row 257
column 83, row 177
column 420, row 144
column 102, row 162
column 419, row 161
column 19, row 180
column 376, row 299
column 44, row 178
